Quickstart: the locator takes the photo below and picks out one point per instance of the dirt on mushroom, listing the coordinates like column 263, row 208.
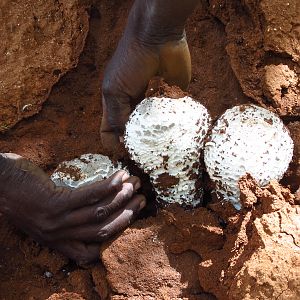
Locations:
column 233, row 57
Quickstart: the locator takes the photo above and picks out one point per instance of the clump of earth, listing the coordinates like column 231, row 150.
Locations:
column 242, row 52
column 182, row 254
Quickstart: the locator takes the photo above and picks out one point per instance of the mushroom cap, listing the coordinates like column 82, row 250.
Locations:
column 246, row 139
column 86, row 169
column 164, row 137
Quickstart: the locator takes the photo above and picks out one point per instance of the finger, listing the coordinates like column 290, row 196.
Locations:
column 110, row 142
column 99, row 212
column 114, row 224
column 113, row 124
column 297, row 195
column 78, row 251
column 175, row 63
column 90, row 194
column 125, row 81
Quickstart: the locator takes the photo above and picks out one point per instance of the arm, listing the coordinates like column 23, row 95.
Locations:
column 160, row 21
column 72, row 221
column 153, row 43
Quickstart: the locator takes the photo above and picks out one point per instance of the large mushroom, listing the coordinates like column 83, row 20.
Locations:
column 246, row 139
column 164, row 137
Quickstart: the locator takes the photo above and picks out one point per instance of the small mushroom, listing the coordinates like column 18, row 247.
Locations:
column 84, row 170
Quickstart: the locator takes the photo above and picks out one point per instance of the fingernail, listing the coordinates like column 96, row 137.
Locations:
column 125, row 177
column 143, row 204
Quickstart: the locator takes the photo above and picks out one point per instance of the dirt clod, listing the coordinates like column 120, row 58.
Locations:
column 263, row 46
column 209, row 253
column 159, row 88
column 158, row 257
column 261, row 256
column 65, row 296
column 40, row 42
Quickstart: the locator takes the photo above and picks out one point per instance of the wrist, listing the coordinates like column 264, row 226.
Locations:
column 9, row 170
column 159, row 21
column 14, row 182
column 5, row 167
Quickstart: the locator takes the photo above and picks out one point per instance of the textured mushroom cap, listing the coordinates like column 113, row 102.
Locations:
column 247, row 139
column 165, row 137
column 84, row 170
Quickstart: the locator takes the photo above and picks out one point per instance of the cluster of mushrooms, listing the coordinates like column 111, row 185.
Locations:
column 168, row 138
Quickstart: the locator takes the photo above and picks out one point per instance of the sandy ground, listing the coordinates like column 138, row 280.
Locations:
column 238, row 57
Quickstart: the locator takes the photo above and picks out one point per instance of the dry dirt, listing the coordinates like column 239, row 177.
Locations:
column 255, row 256
column 209, row 253
column 41, row 41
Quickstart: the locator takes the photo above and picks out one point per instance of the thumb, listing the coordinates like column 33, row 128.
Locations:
column 175, row 63
column 116, row 112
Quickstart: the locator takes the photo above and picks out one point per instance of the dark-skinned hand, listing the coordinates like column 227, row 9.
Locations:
column 153, row 44
column 73, row 221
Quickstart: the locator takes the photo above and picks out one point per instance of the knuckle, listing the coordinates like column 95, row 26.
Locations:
column 47, row 226
column 58, row 202
column 101, row 213
column 128, row 218
column 122, row 198
column 126, row 192
column 115, row 184
column 103, row 234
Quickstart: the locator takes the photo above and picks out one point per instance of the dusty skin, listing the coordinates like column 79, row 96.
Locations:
column 235, row 60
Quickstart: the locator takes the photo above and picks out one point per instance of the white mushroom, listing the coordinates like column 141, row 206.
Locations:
column 165, row 137
column 84, row 170
column 246, row 139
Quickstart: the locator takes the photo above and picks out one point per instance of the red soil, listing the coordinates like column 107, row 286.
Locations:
column 178, row 253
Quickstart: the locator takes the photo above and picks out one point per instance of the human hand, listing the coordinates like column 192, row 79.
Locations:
column 71, row 221
column 153, row 44
column 298, row 195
